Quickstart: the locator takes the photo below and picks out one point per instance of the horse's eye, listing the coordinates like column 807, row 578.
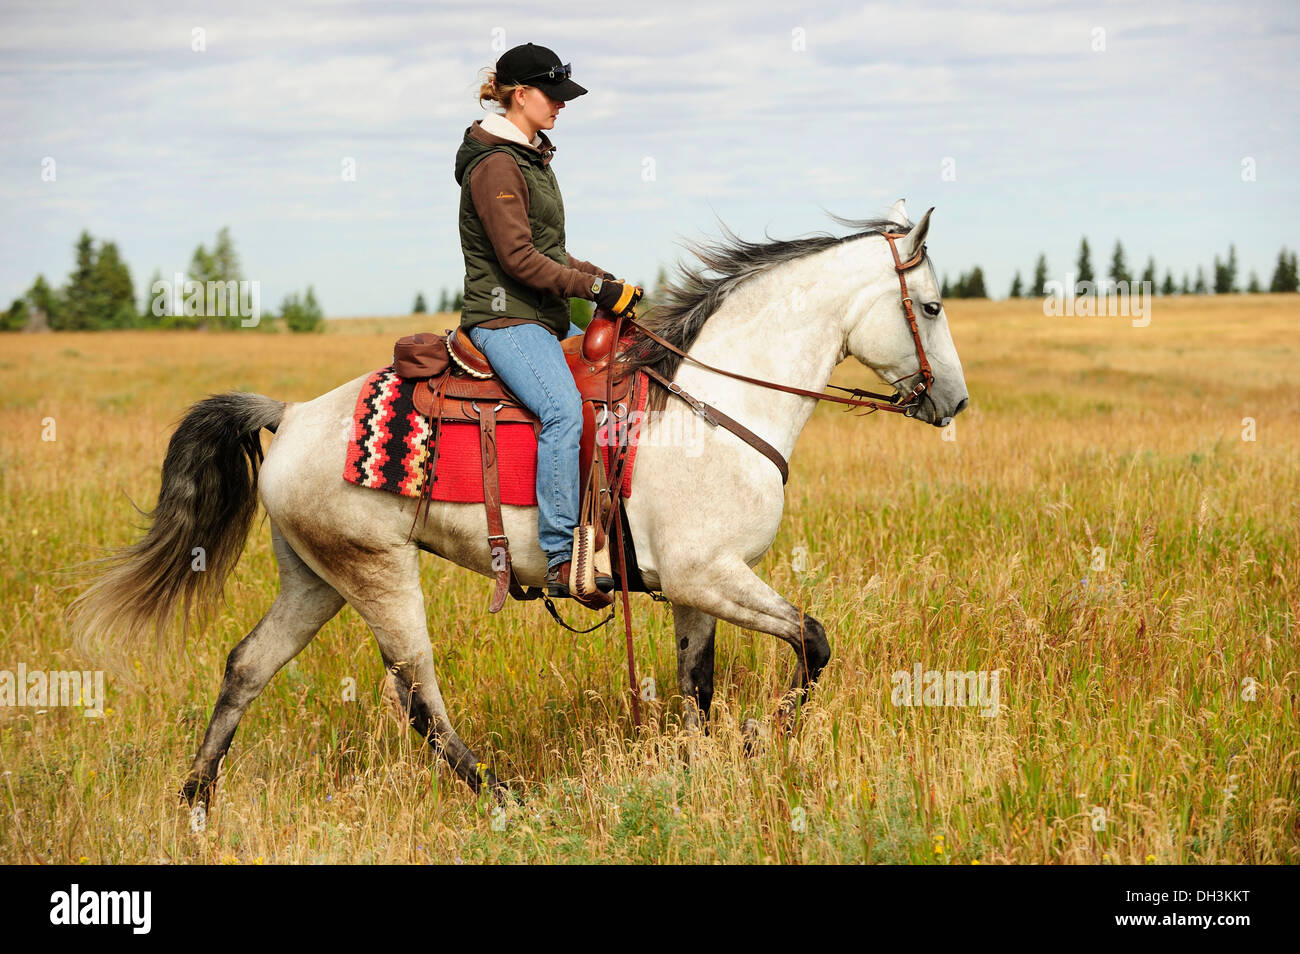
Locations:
column 932, row 309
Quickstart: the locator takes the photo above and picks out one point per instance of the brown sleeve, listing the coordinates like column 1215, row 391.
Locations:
column 587, row 267
column 500, row 197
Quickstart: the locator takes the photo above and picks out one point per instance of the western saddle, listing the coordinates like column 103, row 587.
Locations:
column 459, row 385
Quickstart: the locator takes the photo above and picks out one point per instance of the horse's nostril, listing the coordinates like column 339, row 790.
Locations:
column 961, row 406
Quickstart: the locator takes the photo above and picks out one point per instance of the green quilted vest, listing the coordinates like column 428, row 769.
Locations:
column 489, row 291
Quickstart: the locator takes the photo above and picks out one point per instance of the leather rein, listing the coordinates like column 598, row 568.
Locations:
column 898, row 402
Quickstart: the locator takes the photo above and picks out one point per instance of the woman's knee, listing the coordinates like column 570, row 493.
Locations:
column 564, row 411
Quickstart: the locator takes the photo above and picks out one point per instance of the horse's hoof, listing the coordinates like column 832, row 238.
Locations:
column 506, row 796
column 194, row 790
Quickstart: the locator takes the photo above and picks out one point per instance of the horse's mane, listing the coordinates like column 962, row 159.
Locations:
column 687, row 300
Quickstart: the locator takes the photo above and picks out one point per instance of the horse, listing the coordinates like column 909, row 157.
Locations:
column 786, row 311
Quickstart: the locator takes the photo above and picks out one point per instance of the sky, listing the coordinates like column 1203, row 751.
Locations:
column 1171, row 126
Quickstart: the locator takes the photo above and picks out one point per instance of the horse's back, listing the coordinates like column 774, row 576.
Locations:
column 305, row 460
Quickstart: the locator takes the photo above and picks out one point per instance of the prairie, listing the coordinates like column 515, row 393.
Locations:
column 1111, row 527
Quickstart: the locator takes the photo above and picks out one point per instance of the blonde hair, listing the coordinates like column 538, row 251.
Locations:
column 501, row 95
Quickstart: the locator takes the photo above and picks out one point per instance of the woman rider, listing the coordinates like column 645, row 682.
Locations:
column 519, row 277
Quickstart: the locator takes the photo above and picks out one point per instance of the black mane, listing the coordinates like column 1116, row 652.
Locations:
column 689, row 298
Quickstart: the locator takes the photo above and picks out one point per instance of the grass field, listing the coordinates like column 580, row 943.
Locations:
column 1148, row 709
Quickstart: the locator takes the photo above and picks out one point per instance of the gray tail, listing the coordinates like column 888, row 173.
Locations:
column 196, row 533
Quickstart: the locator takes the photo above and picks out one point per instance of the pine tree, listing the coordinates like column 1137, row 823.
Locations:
column 1149, row 273
column 313, row 310
column 1039, row 288
column 974, row 283
column 1200, row 287
column 458, row 302
column 1284, row 275
column 444, row 304
column 203, row 269
column 1225, row 273
column 213, row 270
column 15, row 319
column 1118, row 266
column 1187, row 286
column 1017, row 291
column 225, row 268
column 418, row 308
column 1168, row 288
column 225, row 261
column 945, row 290
column 79, row 305
column 46, row 306
column 1084, row 264
column 114, row 292
column 1253, row 288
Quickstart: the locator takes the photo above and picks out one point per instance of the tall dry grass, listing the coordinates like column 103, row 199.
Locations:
column 1121, row 693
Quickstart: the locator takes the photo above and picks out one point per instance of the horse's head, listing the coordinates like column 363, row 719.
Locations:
column 878, row 334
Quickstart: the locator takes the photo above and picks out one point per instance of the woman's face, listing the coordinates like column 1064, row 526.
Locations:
column 539, row 110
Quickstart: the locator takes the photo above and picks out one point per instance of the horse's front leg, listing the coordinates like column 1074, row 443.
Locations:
column 730, row 590
column 695, row 630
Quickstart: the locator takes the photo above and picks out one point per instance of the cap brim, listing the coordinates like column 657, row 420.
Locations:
column 564, row 91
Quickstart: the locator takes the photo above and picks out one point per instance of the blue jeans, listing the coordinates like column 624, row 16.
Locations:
column 529, row 360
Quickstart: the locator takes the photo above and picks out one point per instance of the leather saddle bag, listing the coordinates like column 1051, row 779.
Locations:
column 422, row 355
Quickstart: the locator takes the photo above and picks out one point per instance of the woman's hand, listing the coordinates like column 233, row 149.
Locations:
column 619, row 297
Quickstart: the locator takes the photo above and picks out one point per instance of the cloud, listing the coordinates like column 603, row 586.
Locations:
column 756, row 111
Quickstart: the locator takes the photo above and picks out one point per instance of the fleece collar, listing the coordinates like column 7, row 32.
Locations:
column 498, row 125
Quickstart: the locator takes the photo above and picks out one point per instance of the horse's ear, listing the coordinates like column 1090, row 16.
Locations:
column 916, row 238
column 898, row 214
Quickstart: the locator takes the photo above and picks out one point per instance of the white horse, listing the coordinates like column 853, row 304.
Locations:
column 786, row 312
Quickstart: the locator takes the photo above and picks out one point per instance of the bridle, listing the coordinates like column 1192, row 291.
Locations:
column 898, row 402
column 927, row 377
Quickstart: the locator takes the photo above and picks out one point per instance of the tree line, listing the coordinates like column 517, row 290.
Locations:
column 100, row 295
column 1224, row 280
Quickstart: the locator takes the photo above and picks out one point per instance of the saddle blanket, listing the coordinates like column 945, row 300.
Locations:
column 389, row 448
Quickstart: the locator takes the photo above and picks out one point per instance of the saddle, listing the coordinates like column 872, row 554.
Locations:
column 458, row 385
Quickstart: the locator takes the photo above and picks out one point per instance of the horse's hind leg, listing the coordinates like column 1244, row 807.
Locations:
column 385, row 590
column 305, row 604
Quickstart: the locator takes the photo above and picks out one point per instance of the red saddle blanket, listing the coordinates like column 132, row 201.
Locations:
column 389, row 448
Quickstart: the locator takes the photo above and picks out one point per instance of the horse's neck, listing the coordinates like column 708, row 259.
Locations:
column 785, row 328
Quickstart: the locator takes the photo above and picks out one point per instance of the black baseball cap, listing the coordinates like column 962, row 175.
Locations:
column 532, row 65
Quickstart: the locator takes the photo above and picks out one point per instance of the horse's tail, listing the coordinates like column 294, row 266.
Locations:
column 197, row 532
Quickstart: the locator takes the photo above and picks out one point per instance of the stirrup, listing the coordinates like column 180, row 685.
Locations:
column 591, row 574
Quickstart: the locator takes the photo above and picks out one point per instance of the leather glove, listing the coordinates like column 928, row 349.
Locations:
column 619, row 297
